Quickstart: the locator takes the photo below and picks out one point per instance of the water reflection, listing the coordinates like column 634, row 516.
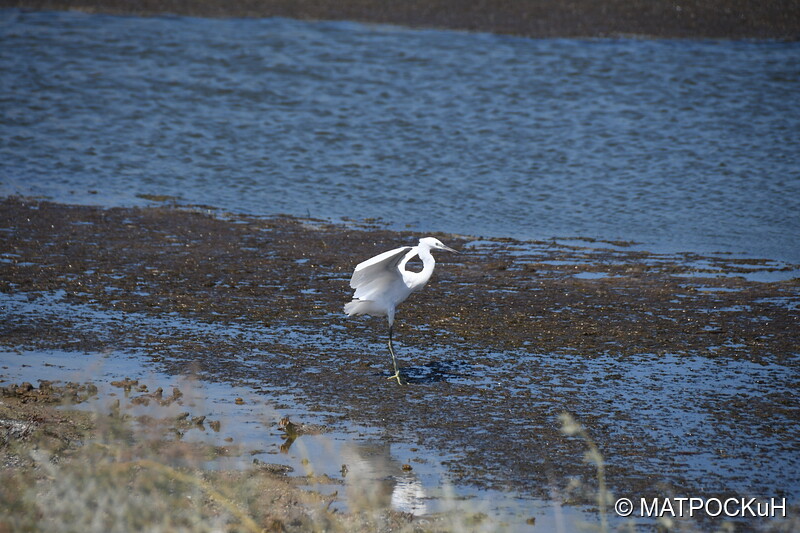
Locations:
column 409, row 495
column 376, row 480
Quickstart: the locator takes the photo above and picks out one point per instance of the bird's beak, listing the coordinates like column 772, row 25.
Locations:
column 450, row 249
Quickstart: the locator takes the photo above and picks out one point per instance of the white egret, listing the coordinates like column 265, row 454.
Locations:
column 382, row 283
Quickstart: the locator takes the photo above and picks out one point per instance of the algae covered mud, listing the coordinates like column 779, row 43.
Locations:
column 683, row 368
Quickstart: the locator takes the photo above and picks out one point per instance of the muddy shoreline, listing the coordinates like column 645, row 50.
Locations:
column 541, row 19
column 507, row 336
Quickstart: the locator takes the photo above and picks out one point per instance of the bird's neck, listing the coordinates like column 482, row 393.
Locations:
column 419, row 279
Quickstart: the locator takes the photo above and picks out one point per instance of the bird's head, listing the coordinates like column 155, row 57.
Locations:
column 435, row 244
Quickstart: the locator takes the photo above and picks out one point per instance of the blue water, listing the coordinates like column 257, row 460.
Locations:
column 680, row 145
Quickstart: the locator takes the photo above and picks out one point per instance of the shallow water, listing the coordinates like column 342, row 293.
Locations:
column 681, row 145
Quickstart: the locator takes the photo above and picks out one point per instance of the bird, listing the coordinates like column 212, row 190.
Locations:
column 383, row 282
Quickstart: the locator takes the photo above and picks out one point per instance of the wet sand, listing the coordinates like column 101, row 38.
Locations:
column 718, row 19
column 507, row 336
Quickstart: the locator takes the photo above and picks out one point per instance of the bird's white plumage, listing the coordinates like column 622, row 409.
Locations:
column 382, row 282
column 379, row 271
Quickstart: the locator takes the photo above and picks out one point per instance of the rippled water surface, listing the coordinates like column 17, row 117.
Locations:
column 678, row 144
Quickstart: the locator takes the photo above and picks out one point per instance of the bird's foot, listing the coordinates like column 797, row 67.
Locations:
column 396, row 376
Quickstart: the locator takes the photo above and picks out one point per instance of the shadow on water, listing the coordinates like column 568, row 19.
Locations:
column 436, row 371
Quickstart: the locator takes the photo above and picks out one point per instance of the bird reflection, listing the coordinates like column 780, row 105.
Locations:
column 293, row 430
column 376, row 480
column 286, row 444
column 408, row 495
column 289, row 431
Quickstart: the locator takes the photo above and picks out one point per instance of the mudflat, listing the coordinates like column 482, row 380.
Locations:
column 507, row 336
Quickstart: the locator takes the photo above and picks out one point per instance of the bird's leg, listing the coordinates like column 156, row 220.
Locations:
column 394, row 360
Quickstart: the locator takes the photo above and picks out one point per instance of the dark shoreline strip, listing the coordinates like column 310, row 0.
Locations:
column 714, row 19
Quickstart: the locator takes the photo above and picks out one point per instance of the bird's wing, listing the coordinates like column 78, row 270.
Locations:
column 379, row 271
